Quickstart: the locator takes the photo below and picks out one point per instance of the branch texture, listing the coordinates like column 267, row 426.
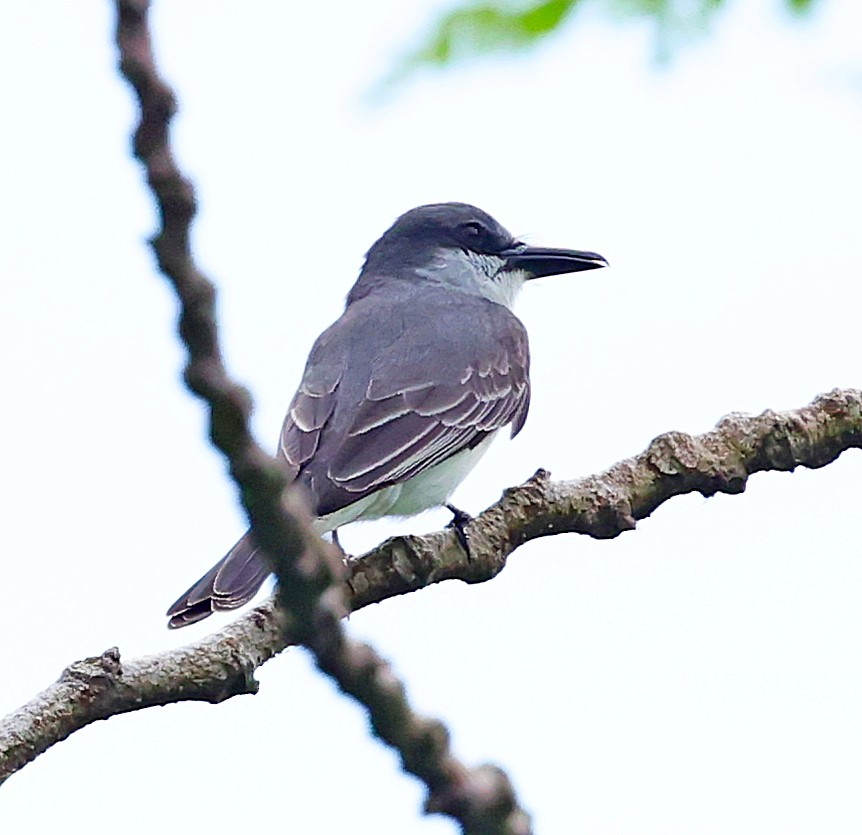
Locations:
column 601, row 506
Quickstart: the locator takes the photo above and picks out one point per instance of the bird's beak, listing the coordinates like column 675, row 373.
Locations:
column 541, row 261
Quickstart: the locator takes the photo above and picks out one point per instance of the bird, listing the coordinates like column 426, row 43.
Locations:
column 403, row 394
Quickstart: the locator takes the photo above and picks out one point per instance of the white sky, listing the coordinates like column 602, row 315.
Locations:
column 700, row 675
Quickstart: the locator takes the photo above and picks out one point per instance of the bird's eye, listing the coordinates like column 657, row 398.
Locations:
column 473, row 229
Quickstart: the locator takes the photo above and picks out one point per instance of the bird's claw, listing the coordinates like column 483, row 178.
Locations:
column 460, row 520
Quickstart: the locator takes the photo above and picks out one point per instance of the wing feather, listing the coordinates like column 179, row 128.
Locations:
column 405, row 397
column 373, row 450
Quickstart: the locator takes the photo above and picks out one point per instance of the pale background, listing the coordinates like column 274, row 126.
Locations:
column 701, row 675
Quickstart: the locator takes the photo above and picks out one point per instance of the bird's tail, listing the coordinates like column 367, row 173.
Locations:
column 232, row 581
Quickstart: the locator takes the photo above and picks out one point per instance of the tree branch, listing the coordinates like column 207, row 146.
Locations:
column 601, row 506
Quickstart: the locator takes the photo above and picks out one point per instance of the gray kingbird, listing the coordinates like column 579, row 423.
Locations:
column 403, row 394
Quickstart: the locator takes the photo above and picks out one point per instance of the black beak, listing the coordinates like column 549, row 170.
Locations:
column 542, row 261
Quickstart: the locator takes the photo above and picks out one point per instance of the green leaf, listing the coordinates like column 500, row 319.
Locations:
column 800, row 6
column 481, row 28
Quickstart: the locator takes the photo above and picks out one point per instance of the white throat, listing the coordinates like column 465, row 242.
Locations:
column 477, row 274
column 493, row 282
column 504, row 287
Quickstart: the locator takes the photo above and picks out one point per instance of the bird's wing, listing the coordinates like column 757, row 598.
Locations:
column 391, row 408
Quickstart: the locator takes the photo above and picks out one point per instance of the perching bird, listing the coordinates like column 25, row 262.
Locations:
column 403, row 394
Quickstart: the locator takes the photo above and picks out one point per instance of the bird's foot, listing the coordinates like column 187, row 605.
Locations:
column 337, row 543
column 459, row 523
column 345, row 558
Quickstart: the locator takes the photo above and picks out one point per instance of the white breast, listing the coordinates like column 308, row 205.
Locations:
column 431, row 488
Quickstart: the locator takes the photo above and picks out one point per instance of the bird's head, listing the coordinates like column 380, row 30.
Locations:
column 461, row 246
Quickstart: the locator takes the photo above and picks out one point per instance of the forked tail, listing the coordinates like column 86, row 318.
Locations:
column 230, row 583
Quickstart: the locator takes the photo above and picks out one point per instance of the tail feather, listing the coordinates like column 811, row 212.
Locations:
column 230, row 583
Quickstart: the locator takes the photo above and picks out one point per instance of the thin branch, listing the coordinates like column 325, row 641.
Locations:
column 255, row 472
column 309, row 571
column 601, row 506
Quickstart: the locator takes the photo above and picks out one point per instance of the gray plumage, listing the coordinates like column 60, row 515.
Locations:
column 403, row 393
